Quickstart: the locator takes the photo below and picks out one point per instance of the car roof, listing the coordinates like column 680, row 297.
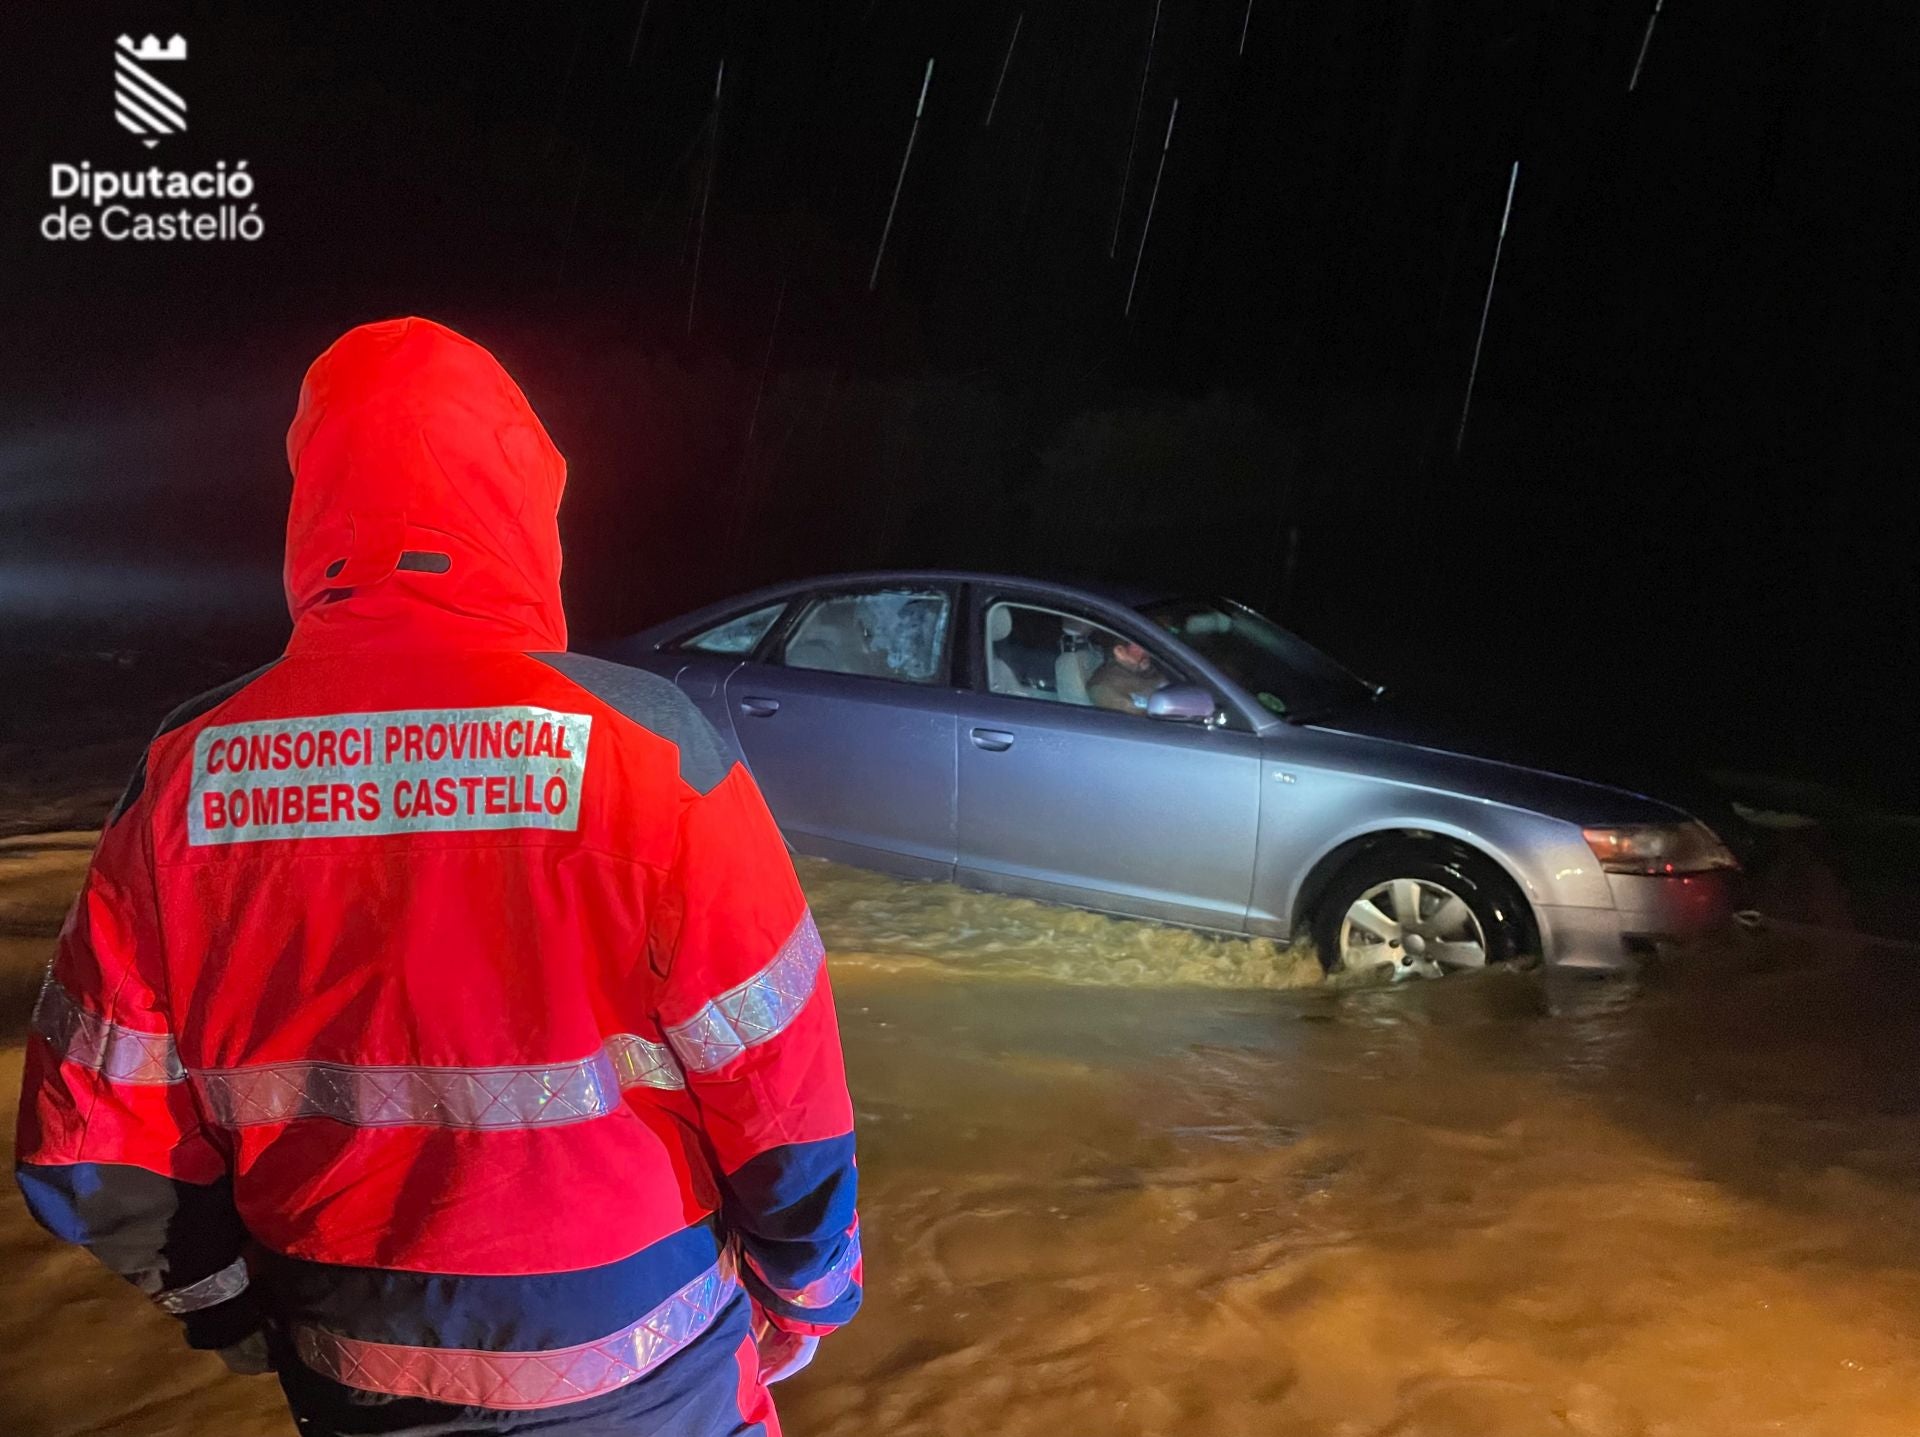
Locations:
column 1114, row 594
column 1130, row 594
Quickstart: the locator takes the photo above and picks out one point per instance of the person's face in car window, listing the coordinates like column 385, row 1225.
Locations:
column 1130, row 655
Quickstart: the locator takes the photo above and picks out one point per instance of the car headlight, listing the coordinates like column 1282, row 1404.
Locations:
column 1660, row 849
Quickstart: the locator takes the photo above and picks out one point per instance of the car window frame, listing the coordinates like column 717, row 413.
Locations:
column 769, row 651
column 1228, row 602
column 1150, row 637
column 680, row 643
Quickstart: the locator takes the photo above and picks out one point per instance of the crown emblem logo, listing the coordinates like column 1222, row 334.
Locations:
column 151, row 48
column 143, row 104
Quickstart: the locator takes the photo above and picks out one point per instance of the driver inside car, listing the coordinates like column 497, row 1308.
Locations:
column 1127, row 679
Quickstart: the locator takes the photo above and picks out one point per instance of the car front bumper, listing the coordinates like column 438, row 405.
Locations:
column 1646, row 911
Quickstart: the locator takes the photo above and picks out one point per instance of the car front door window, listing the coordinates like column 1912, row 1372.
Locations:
column 1040, row 653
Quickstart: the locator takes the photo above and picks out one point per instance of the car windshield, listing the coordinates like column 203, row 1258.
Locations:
column 1288, row 675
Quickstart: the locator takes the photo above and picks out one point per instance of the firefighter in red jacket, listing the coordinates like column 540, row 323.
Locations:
column 441, row 1016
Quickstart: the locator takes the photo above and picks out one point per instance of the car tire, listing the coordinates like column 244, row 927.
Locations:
column 1496, row 916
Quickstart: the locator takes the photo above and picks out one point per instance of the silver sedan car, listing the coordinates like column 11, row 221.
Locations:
column 1172, row 757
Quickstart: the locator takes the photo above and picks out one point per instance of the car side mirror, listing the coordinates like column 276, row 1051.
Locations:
column 1186, row 702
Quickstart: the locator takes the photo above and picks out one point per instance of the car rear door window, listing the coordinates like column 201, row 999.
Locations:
column 896, row 633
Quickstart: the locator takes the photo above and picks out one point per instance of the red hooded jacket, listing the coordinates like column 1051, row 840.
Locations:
column 444, row 998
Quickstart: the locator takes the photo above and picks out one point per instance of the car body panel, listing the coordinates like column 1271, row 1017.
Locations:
column 1108, row 810
column 856, row 769
column 1311, row 815
column 1468, row 758
column 1326, row 788
column 703, row 678
column 1224, row 825
column 1685, row 906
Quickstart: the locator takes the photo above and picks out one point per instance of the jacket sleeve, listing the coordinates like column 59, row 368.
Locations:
column 745, row 1006
column 111, row 1153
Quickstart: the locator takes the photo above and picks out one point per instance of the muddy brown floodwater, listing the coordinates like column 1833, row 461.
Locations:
column 1124, row 1180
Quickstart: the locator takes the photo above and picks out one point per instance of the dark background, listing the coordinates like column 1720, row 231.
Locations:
column 1682, row 520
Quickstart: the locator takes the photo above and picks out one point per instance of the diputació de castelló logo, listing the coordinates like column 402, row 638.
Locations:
column 155, row 203
column 144, row 104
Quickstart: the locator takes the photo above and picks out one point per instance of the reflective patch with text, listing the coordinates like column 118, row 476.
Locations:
column 409, row 771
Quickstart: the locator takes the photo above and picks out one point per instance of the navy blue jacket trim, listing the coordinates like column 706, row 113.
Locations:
column 696, row 1393
column 792, row 1206
column 837, row 1313
column 157, row 1232
column 488, row 1314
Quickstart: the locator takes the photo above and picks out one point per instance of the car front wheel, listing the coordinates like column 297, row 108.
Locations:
column 1421, row 910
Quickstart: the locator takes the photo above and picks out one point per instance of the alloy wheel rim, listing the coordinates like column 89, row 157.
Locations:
column 1419, row 926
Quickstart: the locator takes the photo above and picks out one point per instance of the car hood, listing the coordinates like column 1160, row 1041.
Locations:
column 1537, row 770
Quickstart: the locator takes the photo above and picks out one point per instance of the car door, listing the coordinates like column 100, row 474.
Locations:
column 1065, row 800
column 700, row 662
column 846, row 717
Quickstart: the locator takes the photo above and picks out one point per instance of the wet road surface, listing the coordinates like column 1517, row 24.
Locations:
column 1126, row 1180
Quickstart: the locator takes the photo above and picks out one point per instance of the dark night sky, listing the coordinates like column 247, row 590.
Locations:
column 1684, row 511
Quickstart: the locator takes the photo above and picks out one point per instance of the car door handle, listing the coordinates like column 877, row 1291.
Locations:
column 759, row 708
column 993, row 740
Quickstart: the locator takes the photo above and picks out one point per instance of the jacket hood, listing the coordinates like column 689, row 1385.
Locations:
column 425, row 499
